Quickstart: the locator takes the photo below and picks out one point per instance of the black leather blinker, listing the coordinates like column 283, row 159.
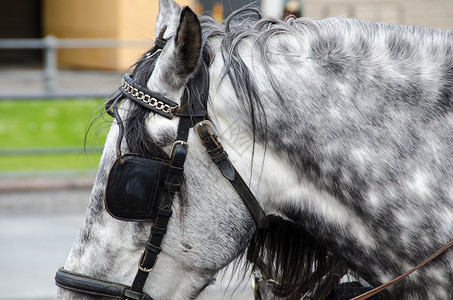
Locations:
column 134, row 188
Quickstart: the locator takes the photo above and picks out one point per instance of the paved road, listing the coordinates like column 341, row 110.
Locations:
column 37, row 229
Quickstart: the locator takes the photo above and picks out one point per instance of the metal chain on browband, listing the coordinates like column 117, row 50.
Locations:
column 112, row 106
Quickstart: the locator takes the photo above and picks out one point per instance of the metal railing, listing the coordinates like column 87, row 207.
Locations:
column 50, row 44
column 50, row 151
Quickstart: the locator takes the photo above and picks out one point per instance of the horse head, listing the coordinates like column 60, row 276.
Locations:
column 209, row 227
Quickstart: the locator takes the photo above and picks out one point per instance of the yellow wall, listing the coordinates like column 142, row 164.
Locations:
column 111, row 19
column 432, row 13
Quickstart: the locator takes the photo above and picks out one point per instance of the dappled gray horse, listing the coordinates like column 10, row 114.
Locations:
column 341, row 129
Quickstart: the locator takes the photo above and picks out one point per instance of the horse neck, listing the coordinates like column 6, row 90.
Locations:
column 281, row 165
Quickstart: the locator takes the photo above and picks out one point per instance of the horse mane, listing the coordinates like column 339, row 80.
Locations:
column 242, row 24
column 292, row 262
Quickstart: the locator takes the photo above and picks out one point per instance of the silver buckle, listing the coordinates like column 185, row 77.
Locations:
column 207, row 123
column 149, row 55
column 140, row 263
column 178, row 142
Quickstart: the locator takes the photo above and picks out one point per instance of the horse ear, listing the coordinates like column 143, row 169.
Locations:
column 168, row 15
column 188, row 42
column 180, row 56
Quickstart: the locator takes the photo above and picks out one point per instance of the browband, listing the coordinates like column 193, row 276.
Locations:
column 148, row 99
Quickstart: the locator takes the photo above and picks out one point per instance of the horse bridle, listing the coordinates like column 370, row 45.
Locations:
column 192, row 113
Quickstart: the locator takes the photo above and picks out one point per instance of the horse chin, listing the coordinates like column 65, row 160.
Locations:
column 167, row 282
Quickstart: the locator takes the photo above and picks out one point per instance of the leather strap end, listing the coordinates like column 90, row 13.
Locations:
column 85, row 284
column 227, row 169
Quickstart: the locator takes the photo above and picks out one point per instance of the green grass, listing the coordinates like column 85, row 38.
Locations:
column 53, row 124
column 49, row 162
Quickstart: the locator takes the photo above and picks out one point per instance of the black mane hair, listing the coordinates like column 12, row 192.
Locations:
column 292, row 262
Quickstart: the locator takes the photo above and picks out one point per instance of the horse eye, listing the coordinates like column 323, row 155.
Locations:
column 164, row 137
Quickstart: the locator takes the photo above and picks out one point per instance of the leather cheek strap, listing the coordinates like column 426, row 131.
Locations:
column 215, row 150
column 220, row 158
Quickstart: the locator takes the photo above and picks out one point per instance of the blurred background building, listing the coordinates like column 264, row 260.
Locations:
column 427, row 13
column 135, row 19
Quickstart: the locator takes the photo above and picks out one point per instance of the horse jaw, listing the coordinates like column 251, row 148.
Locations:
column 104, row 247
